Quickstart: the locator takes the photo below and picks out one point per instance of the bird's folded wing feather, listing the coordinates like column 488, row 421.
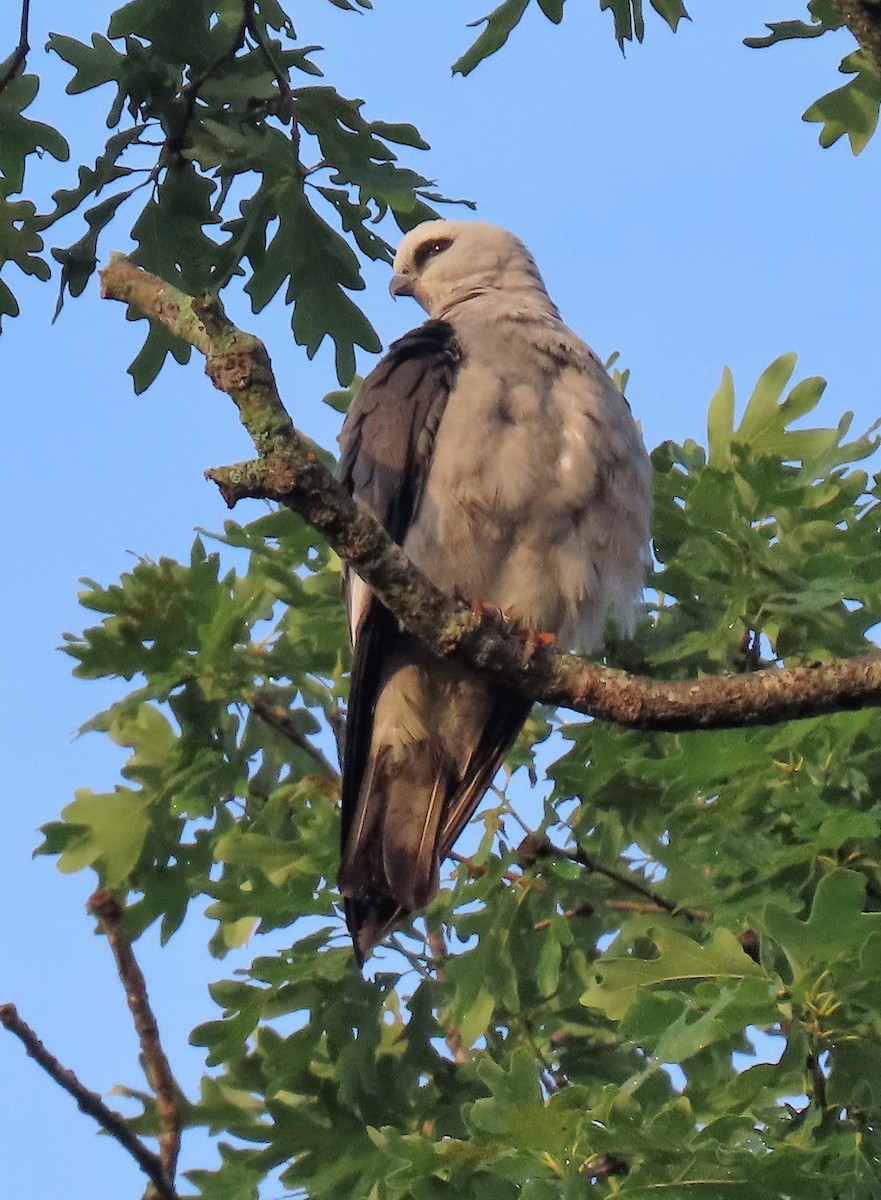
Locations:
column 423, row 738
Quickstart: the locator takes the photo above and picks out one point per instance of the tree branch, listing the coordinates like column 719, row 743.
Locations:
column 90, row 1103
column 863, row 19
column 156, row 1066
column 17, row 59
column 289, row 472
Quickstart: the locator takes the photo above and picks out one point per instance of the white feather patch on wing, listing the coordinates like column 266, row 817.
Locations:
column 358, row 596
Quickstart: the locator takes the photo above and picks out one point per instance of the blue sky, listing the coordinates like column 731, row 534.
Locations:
column 681, row 213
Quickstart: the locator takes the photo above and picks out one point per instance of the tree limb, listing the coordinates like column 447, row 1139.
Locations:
column 90, row 1103
column 863, row 19
column 289, row 471
column 104, row 907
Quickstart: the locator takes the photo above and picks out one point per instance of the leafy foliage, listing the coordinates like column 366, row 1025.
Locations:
column 580, row 1006
column 601, row 982
column 213, row 83
column 852, row 109
column 20, row 241
column 825, row 18
column 239, row 165
column 627, row 14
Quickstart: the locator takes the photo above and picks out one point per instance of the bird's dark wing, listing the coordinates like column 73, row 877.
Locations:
column 385, row 454
column 387, row 439
column 423, row 738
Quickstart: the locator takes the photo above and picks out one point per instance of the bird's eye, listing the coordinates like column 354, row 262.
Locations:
column 430, row 250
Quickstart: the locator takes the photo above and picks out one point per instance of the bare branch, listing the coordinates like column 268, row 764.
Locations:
column 104, row 907
column 90, row 1103
column 290, row 472
column 579, row 910
column 644, row 908
column 477, row 870
column 279, row 718
column 19, row 54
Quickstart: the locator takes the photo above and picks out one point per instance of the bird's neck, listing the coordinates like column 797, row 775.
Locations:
column 482, row 302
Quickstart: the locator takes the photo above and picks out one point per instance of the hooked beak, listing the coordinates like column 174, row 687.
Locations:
column 401, row 285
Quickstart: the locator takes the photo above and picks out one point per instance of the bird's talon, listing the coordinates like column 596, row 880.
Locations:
column 536, row 639
column 486, row 610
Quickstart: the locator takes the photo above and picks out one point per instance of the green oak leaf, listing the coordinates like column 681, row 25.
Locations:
column 618, row 981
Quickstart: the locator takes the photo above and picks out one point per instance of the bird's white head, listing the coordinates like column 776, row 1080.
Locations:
column 445, row 263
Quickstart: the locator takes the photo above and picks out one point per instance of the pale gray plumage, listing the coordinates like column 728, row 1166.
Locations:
column 493, row 446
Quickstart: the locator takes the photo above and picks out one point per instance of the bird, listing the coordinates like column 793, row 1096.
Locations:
column 493, row 447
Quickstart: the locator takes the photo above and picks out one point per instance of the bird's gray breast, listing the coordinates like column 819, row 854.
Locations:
column 537, row 499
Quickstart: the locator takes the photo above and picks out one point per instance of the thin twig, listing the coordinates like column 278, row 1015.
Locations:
column 579, row 855
column 90, row 1103
column 20, row 52
column 646, row 909
column 278, row 717
column 579, row 910
column 476, row 870
column 108, row 913
column 452, row 1034
column 337, row 721
column 553, row 1078
column 818, row 1080
column 287, row 111
column 417, row 961
column 544, row 849
column 174, row 143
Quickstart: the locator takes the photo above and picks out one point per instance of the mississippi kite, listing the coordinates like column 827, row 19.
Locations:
column 492, row 445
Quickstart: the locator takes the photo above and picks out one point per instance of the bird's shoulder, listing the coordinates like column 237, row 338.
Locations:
column 516, row 334
column 428, row 355
column 431, row 349
column 387, row 438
